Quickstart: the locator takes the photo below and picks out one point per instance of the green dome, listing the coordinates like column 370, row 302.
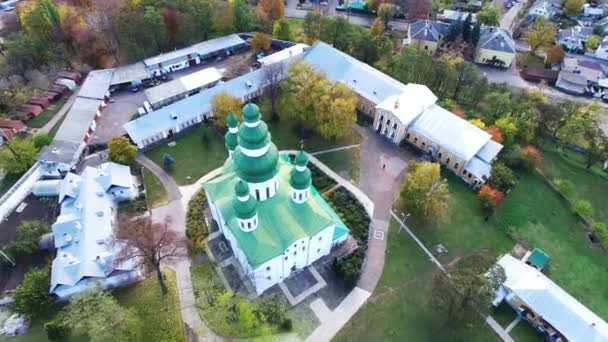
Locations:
column 251, row 113
column 232, row 120
column 256, row 169
column 245, row 210
column 232, row 140
column 301, row 158
column 300, row 180
column 241, row 188
column 253, row 138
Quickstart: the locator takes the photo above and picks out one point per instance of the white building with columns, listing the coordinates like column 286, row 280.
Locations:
column 267, row 208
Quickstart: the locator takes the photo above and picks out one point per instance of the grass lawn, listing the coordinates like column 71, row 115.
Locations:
column 157, row 194
column 523, row 332
column 56, row 126
column 7, row 182
column 399, row 309
column 503, row 314
column 345, row 162
column 590, row 184
column 193, row 157
column 538, row 216
column 160, row 316
column 47, row 114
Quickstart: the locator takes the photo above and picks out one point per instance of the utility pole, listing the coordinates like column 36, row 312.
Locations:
column 7, row 258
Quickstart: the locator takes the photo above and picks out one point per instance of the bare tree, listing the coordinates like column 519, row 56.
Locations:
column 148, row 244
column 273, row 75
column 101, row 17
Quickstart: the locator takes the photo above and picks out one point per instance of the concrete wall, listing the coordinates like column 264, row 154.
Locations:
column 484, row 56
column 18, row 192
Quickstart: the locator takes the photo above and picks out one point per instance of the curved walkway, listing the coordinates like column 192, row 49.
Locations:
column 175, row 210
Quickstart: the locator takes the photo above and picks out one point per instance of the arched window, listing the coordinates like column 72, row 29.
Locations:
column 257, row 194
column 439, row 155
column 456, row 166
column 447, row 161
column 267, row 192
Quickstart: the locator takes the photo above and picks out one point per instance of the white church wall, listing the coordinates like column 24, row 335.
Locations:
column 264, row 190
column 320, row 244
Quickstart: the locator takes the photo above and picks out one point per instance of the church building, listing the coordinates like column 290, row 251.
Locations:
column 267, row 208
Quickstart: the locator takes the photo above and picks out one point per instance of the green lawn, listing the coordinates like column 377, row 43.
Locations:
column 529, row 60
column 7, row 182
column 523, row 332
column 399, row 309
column 590, row 184
column 345, row 162
column 193, row 157
column 504, row 314
column 157, row 194
column 47, row 114
column 538, row 216
column 160, row 317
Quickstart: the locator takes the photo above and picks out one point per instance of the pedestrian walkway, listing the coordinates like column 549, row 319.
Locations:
column 498, row 329
column 60, row 113
column 162, row 175
column 337, row 149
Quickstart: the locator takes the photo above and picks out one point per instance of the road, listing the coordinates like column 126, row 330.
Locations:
column 508, row 18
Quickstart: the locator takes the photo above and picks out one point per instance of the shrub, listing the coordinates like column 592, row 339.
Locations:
column 531, row 157
column 477, row 122
column 28, row 235
column 42, row 139
column 490, row 197
column 287, row 324
column 583, row 208
column 496, row 134
column 273, row 310
column 602, row 232
column 196, row 228
column 31, row 298
column 502, row 177
column 56, row 330
column 565, row 186
column 168, row 162
column 349, row 268
column 121, row 150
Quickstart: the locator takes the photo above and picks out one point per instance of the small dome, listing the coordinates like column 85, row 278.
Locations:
column 301, row 158
column 241, row 188
column 232, row 120
column 251, row 113
column 257, row 169
column 245, row 210
column 232, row 140
column 300, row 180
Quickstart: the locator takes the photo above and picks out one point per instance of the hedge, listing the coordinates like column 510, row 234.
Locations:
column 196, row 227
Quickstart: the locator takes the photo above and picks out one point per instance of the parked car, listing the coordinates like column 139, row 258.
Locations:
column 323, row 3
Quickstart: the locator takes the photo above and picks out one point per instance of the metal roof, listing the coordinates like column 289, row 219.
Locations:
column 497, row 39
column 218, row 44
column 489, row 151
column 451, row 132
column 60, row 151
column 96, row 84
column 408, row 105
column 571, row 318
column 479, row 168
column 283, row 54
column 78, row 119
column 129, row 73
column 170, row 56
column 200, row 78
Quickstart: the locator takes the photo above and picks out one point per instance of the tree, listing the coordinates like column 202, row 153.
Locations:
column 531, row 157
column 243, row 20
column 222, row 104
column 18, row 156
column 122, row 151
column 385, row 12
column 311, row 27
column 297, row 89
column 28, row 236
column 97, row 315
column 602, row 232
column 475, row 35
column 378, row 27
column 155, row 29
column 168, row 162
column 282, row 30
column 478, row 122
column 542, row 34
column 271, row 10
column 502, row 177
column 555, row 54
column 469, row 289
column 598, row 147
column 203, row 16
column 149, row 245
column 583, row 208
column 496, row 134
column 261, row 42
column 593, row 41
column 490, row 197
column 580, row 125
column 489, row 15
column 56, row 330
column 424, row 193
column 565, row 186
column 466, row 28
column 31, row 297
column 419, row 9
column 335, row 109
column 41, row 139
column 223, row 18
column 572, row 7
column 273, row 75
column 508, row 127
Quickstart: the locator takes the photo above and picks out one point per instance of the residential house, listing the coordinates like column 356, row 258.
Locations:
column 426, row 35
column 495, row 47
column 175, row 90
column 450, row 16
column 541, row 8
column 83, row 232
column 574, row 38
column 547, row 307
column 590, row 10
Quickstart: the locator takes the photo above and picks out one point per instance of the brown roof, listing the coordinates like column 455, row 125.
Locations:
column 13, row 124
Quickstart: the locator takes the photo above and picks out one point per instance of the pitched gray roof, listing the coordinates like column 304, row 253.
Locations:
column 78, row 119
column 428, row 30
column 497, row 39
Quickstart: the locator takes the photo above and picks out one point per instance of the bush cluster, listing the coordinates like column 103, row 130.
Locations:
column 356, row 219
column 196, row 228
column 602, row 232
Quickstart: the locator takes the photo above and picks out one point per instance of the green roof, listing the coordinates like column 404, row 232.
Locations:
column 301, row 158
column 300, row 180
column 280, row 220
column 231, row 140
column 256, row 169
column 251, row 113
column 253, row 138
column 538, row 258
column 232, row 120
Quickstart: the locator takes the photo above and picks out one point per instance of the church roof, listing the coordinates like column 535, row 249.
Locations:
column 281, row 221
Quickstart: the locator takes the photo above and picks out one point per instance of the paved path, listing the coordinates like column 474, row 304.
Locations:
column 335, row 149
column 60, row 113
column 498, row 329
column 175, row 210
